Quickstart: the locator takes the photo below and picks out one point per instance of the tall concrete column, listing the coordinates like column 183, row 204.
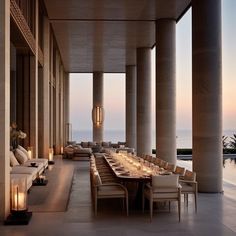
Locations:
column 13, row 85
column 98, row 102
column 62, row 106
column 166, row 90
column 34, row 90
column 44, row 92
column 4, row 108
column 131, row 79
column 57, row 105
column 144, row 136
column 207, row 94
column 66, row 106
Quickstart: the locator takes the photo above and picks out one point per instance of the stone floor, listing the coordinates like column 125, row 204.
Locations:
column 216, row 216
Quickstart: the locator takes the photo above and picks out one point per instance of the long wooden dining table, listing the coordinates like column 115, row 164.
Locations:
column 127, row 172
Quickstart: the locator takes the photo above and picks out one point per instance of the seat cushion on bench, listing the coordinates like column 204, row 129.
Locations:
column 28, row 178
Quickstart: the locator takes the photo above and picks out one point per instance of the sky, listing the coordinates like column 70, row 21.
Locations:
column 114, row 84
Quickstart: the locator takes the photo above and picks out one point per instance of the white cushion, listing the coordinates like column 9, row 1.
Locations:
column 165, row 181
column 24, row 151
column 24, row 170
column 28, row 177
column 110, row 191
column 13, row 160
column 20, row 156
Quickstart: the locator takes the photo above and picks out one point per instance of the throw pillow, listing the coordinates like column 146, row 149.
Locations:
column 20, row 156
column 13, row 161
column 24, row 151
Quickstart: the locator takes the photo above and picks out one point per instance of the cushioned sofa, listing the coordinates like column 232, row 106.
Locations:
column 21, row 165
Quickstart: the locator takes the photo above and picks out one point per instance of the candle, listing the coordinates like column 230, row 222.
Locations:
column 30, row 154
column 19, row 200
column 50, row 157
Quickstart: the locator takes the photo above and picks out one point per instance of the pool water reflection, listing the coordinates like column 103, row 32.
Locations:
column 229, row 169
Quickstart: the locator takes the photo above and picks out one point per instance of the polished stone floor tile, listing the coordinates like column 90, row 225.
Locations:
column 215, row 217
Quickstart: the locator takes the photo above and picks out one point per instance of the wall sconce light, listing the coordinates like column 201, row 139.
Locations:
column 98, row 116
column 30, row 152
column 50, row 156
column 19, row 210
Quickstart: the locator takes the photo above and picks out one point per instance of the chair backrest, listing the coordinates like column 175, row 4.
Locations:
column 179, row 170
column 96, row 177
column 165, row 181
column 163, row 164
column 170, row 167
column 158, row 161
column 190, row 175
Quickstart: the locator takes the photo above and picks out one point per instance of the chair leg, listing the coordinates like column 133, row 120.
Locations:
column 179, row 209
column 127, row 205
column 187, row 199
column 195, row 197
column 143, row 203
column 95, row 206
column 151, row 207
column 169, row 206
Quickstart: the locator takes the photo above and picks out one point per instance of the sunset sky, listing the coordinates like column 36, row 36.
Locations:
column 114, row 84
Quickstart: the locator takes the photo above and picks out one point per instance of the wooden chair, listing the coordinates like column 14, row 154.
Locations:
column 170, row 167
column 189, row 186
column 179, row 171
column 107, row 190
column 164, row 188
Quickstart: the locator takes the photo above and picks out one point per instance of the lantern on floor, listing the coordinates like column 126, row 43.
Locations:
column 19, row 209
column 30, row 152
column 98, row 116
column 50, row 156
column 62, row 149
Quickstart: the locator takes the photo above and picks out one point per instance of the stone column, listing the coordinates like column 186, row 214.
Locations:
column 144, row 101
column 34, row 91
column 207, row 94
column 61, row 106
column 44, row 99
column 57, row 105
column 131, row 106
column 98, row 102
column 4, row 108
column 13, row 85
column 166, row 90
column 67, row 106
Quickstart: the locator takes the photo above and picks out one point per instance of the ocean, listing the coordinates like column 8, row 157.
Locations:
column 183, row 137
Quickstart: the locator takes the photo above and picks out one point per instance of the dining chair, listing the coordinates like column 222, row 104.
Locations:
column 189, row 186
column 163, row 188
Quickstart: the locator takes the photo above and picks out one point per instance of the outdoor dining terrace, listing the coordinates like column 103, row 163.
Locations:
column 214, row 214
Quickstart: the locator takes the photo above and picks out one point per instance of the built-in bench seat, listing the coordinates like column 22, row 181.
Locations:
column 21, row 166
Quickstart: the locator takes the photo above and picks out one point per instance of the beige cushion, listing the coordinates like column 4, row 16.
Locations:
column 25, row 170
column 24, row 151
column 110, row 190
column 92, row 144
column 187, row 187
column 106, row 144
column 28, row 177
column 20, row 156
column 165, row 181
column 13, row 160
column 84, row 144
column 189, row 175
column 162, row 195
column 83, row 150
column 179, row 170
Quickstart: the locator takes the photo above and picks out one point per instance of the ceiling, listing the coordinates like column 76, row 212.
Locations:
column 102, row 35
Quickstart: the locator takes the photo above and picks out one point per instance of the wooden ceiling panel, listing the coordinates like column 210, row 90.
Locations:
column 103, row 35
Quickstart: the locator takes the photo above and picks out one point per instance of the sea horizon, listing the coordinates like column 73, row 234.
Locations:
column 183, row 136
